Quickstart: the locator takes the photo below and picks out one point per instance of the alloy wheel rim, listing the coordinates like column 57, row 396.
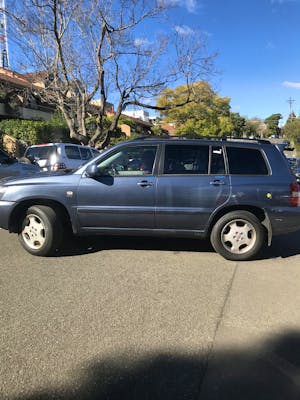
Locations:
column 238, row 236
column 34, row 232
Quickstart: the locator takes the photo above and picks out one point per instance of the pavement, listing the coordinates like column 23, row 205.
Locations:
column 149, row 319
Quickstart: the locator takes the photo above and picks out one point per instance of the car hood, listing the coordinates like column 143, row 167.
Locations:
column 39, row 178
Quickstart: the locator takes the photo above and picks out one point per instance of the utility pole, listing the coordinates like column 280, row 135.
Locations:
column 291, row 101
column 4, row 59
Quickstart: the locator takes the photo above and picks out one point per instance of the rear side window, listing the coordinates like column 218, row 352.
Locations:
column 85, row 153
column 186, row 159
column 245, row 161
column 72, row 152
column 95, row 152
column 217, row 165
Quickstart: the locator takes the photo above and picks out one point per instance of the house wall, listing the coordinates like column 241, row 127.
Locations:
column 25, row 113
column 126, row 129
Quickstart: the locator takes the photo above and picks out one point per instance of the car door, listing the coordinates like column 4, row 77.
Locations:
column 122, row 195
column 250, row 176
column 191, row 186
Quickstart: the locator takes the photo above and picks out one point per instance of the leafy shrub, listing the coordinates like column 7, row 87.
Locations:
column 35, row 132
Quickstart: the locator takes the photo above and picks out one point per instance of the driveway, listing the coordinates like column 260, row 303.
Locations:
column 139, row 318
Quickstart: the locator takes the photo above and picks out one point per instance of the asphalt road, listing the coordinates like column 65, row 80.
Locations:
column 139, row 318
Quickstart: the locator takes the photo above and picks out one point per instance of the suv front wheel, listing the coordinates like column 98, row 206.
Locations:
column 238, row 236
column 41, row 230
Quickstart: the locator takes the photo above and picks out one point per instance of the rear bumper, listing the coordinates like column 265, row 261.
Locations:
column 284, row 220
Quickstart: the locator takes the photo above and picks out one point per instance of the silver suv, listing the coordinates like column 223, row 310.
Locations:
column 239, row 194
column 59, row 156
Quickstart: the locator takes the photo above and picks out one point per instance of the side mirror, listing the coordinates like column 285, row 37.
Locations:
column 92, row 171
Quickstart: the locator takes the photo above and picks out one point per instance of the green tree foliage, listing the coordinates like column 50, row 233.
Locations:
column 207, row 114
column 255, row 127
column 238, row 124
column 272, row 123
column 35, row 132
column 291, row 131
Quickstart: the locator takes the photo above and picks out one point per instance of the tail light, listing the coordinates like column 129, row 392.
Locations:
column 294, row 194
column 58, row 166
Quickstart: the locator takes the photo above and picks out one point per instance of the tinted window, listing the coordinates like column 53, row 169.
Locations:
column 41, row 152
column 244, row 161
column 217, row 165
column 186, row 159
column 95, row 152
column 72, row 152
column 131, row 160
column 85, row 153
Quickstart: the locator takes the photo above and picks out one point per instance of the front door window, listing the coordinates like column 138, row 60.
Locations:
column 132, row 160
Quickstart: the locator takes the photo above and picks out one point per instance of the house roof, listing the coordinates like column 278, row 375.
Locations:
column 15, row 78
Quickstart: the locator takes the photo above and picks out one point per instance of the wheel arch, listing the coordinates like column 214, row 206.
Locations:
column 260, row 213
column 19, row 211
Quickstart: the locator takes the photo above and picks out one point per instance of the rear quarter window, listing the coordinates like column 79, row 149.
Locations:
column 72, row 152
column 85, row 153
column 246, row 161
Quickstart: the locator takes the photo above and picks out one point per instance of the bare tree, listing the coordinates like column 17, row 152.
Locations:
column 98, row 49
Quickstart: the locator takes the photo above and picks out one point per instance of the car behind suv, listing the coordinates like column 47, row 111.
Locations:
column 10, row 166
column 239, row 194
column 59, row 156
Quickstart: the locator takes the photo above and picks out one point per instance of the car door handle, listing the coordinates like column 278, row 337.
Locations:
column 217, row 182
column 145, row 184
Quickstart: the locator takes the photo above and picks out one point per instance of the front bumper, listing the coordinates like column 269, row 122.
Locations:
column 6, row 208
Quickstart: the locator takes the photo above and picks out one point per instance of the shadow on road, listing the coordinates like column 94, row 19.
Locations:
column 92, row 244
column 268, row 371
column 282, row 246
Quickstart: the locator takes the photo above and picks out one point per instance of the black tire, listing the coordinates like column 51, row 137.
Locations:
column 41, row 230
column 238, row 236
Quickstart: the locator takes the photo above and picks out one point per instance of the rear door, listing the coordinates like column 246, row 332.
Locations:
column 191, row 185
column 251, row 178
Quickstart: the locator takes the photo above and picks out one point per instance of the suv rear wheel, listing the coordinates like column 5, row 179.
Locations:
column 41, row 230
column 238, row 236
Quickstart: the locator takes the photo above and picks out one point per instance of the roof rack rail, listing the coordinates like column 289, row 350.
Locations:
column 193, row 137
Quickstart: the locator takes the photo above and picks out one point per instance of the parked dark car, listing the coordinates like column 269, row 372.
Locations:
column 10, row 166
column 296, row 167
column 239, row 194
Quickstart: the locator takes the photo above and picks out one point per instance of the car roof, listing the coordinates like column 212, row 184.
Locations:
column 59, row 144
column 203, row 140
